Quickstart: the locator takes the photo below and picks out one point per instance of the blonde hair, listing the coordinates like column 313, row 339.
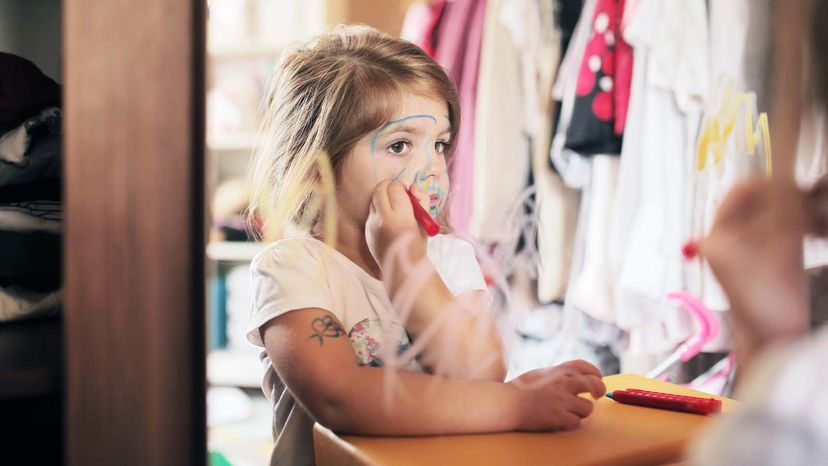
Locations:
column 322, row 99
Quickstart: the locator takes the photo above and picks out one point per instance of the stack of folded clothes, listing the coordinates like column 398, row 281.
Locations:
column 30, row 191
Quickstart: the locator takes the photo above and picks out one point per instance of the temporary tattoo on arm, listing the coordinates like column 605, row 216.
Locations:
column 325, row 327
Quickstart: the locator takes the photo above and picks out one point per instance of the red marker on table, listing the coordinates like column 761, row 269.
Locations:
column 429, row 225
column 687, row 404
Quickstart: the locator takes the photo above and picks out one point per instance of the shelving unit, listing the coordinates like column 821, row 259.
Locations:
column 233, row 251
column 247, row 38
column 234, row 368
column 244, row 143
column 245, row 50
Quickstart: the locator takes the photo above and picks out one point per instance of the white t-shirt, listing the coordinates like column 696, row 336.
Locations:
column 782, row 417
column 302, row 272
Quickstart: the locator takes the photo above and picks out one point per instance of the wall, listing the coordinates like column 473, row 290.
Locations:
column 385, row 15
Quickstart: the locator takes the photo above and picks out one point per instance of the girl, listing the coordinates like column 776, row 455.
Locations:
column 354, row 120
column 755, row 249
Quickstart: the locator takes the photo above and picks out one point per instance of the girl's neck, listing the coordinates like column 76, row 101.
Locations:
column 350, row 241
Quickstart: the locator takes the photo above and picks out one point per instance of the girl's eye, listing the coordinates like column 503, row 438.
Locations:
column 398, row 148
column 441, row 147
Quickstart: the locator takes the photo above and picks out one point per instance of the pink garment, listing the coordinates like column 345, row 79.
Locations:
column 459, row 36
column 416, row 22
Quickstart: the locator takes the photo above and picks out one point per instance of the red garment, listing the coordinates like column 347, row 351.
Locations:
column 429, row 39
column 609, row 53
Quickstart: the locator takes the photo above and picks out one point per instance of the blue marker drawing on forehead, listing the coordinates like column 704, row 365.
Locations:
column 382, row 131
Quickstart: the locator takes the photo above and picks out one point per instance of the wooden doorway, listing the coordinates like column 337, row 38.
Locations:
column 134, row 243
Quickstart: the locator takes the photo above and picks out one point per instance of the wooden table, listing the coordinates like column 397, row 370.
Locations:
column 615, row 434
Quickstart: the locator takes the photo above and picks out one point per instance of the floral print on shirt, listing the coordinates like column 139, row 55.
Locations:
column 365, row 338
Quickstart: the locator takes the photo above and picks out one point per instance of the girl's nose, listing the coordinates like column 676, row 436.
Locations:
column 429, row 163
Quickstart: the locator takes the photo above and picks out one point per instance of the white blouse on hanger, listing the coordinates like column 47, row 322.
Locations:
column 669, row 38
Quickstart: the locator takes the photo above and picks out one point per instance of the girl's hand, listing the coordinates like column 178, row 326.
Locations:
column 755, row 251
column 548, row 398
column 391, row 218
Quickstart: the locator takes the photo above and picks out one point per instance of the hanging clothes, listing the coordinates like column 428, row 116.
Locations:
column 603, row 86
column 501, row 144
column 573, row 167
column 590, row 284
column 594, row 176
column 581, row 334
column 416, row 23
column 459, row 36
column 669, row 86
column 556, row 204
column 592, row 287
column 739, row 59
column 567, row 14
column 430, row 35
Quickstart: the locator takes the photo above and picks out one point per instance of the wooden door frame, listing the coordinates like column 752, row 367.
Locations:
column 134, row 111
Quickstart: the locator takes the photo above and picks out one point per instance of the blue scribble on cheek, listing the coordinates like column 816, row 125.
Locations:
column 382, row 131
column 397, row 176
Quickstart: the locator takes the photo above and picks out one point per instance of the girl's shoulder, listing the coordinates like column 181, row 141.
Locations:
column 287, row 251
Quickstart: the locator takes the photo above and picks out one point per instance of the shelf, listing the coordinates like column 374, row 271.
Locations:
column 234, row 368
column 233, row 251
column 233, row 143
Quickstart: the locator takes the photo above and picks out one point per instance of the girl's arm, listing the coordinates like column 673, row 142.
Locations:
column 313, row 356
column 458, row 334
column 461, row 337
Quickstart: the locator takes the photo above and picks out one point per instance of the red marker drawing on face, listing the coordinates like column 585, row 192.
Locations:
column 429, row 225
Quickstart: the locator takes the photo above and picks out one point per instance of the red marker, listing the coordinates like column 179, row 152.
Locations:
column 429, row 225
column 687, row 404
column 690, row 250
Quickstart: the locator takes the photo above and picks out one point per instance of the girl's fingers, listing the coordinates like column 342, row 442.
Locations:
column 582, row 367
column 586, row 384
column 581, row 407
column 399, row 200
column 597, row 387
column 380, row 199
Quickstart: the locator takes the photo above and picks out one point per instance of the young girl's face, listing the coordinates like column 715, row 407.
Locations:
column 410, row 149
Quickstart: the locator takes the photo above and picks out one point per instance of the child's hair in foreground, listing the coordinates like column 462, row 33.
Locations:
column 322, row 99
